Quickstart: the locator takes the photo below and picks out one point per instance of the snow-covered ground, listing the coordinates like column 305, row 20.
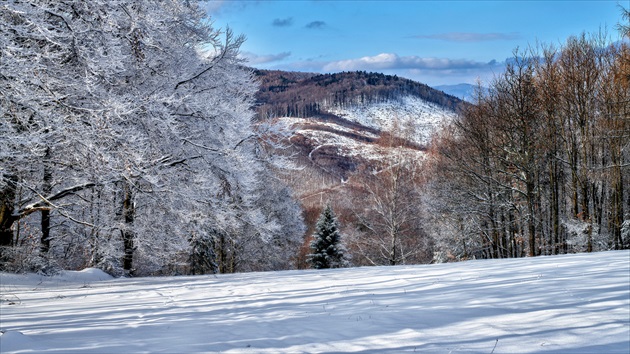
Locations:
column 316, row 132
column 561, row 304
column 426, row 117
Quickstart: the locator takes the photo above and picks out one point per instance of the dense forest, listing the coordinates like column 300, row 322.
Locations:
column 289, row 94
column 540, row 164
column 122, row 147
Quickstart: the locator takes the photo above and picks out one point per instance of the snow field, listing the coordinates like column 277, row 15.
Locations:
column 560, row 304
column 427, row 117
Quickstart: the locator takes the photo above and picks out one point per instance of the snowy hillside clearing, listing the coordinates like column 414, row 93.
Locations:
column 561, row 304
column 347, row 142
column 426, row 117
column 356, row 131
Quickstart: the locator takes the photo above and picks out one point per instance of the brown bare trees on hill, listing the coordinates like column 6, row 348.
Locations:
column 541, row 163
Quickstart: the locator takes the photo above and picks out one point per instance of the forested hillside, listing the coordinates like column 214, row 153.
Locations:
column 291, row 94
column 358, row 141
column 540, row 164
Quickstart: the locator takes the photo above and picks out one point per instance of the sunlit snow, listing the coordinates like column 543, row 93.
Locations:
column 426, row 117
column 561, row 304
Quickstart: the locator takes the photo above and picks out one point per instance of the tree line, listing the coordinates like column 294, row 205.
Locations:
column 540, row 163
column 127, row 143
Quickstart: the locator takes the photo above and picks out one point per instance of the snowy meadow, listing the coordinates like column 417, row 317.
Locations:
column 577, row 303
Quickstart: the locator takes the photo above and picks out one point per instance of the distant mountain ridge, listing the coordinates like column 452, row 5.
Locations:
column 297, row 94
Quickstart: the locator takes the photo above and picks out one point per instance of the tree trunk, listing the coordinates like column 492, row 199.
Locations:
column 555, row 212
column 128, row 235
column 7, row 205
column 45, row 225
column 531, row 226
column 392, row 250
column 621, row 213
column 223, row 264
column 45, row 216
column 617, row 205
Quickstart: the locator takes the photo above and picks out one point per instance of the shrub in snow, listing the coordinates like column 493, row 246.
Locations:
column 326, row 247
column 111, row 265
column 202, row 259
column 44, row 265
column 27, row 259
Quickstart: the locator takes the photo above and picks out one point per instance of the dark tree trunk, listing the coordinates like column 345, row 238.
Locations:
column 223, row 263
column 7, row 208
column 128, row 234
column 555, row 207
column 45, row 221
column 617, row 206
column 531, row 220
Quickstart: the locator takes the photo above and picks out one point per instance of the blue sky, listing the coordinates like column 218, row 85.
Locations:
column 434, row 42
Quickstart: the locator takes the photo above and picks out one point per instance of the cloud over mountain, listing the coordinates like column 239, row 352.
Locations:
column 385, row 61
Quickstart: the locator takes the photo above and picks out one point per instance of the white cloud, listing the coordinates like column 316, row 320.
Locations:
column 217, row 7
column 432, row 71
column 212, row 7
column 393, row 61
column 254, row 59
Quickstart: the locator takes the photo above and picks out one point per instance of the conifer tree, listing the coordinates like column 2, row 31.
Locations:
column 326, row 247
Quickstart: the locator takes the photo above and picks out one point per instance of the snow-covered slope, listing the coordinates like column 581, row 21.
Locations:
column 354, row 133
column 346, row 142
column 561, row 304
column 425, row 117
column 343, row 126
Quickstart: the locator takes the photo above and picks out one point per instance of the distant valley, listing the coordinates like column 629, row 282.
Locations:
column 345, row 125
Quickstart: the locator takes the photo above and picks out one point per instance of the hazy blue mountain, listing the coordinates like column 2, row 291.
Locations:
column 462, row 91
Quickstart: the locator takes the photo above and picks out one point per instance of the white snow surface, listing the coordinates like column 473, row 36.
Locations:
column 427, row 117
column 557, row 304
column 345, row 146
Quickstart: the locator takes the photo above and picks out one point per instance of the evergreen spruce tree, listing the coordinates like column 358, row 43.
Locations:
column 202, row 258
column 326, row 247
